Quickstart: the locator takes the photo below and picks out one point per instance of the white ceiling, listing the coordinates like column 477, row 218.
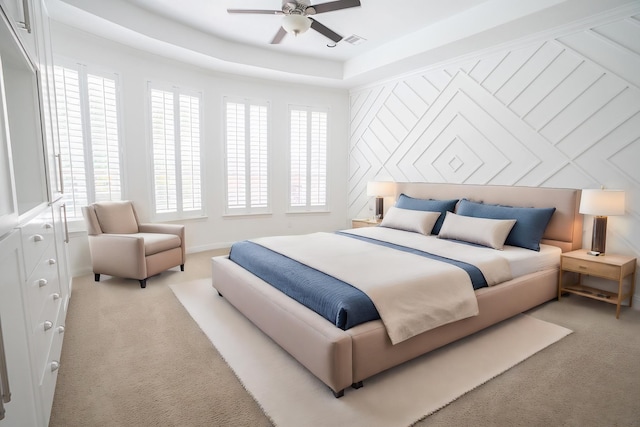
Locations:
column 400, row 35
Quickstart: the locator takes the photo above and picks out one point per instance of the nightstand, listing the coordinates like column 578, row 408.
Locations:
column 357, row 223
column 607, row 266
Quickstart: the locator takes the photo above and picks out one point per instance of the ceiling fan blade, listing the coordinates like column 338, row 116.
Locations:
column 335, row 5
column 279, row 36
column 259, row 11
column 335, row 37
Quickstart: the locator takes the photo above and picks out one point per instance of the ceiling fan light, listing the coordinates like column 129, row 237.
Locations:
column 296, row 24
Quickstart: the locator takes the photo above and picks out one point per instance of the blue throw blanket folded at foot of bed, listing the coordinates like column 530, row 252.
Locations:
column 337, row 301
column 340, row 303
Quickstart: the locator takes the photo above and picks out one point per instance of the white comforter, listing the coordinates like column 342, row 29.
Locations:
column 411, row 293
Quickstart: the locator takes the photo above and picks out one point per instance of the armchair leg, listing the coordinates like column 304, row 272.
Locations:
column 181, row 267
column 96, row 277
column 143, row 283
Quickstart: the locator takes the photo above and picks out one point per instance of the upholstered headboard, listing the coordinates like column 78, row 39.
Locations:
column 564, row 229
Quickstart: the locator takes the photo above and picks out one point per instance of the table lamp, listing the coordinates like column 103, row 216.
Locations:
column 601, row 203
column 379, row 190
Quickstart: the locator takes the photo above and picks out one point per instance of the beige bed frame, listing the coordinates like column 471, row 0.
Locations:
column 345, row 358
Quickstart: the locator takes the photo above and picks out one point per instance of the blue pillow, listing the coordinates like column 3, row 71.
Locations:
column 430, row 205
column 530, row 222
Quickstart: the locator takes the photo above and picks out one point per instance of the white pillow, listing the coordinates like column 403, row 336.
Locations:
column 409, row 220
column 482, row 231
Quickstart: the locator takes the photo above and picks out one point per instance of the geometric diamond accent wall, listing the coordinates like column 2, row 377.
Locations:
column 563, row 112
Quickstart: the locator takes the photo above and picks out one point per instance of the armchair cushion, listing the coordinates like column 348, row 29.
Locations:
column 155, row 243
column 116, row 217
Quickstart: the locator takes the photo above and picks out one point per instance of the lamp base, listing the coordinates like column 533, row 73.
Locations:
column 379, row 207
column 599, row 236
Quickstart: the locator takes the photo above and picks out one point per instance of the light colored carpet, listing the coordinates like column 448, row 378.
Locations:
column 135, row 357
column 292, row 397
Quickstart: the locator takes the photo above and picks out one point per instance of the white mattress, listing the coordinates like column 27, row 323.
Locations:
column 524, row 261
column 521, row 261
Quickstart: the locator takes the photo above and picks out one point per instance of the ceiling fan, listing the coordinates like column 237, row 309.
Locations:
column 297, row 17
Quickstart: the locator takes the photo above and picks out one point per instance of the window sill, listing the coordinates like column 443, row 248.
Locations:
column 246, row 214
column 319, row 212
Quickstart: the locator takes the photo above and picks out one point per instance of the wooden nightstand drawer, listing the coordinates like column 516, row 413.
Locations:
column 591, row 267
column 358, row 223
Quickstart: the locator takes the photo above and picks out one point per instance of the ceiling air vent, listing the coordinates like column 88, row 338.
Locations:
column 354, row 40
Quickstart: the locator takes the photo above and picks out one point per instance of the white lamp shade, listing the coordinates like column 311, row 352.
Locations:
column 381, row 188
column 602, row 202
column 296, row 24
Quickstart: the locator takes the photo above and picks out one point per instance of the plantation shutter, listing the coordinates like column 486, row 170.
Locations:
column 318, row 159
column 247, row 157
column 308, row 159
column 236, row 171
column 190, row 153
column 103, row 120
column 298, row 158
column 164, row 151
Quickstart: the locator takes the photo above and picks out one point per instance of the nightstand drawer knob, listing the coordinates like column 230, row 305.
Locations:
column 582, row 267
column 42, row 282
column 55, row 365
column 48, row 325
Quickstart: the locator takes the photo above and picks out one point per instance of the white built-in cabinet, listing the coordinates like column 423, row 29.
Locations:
column 35, row 283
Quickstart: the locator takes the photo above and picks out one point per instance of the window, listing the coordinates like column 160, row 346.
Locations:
column 175, row 134
column 247, row 157
column 87, row 108
column 308, row 159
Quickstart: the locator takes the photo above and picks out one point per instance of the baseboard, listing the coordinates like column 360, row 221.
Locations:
column 636, row 302
column 209, row 247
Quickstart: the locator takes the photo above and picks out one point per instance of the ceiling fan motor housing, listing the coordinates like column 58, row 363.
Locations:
column 300, row 7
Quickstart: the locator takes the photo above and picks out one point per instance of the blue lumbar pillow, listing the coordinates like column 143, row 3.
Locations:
column 530, row 222
column 429, row 205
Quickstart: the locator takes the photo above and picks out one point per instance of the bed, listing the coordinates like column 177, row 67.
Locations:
column 346, row 357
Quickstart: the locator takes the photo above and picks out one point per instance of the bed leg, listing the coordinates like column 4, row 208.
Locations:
column 338, row 394
column 357, row 385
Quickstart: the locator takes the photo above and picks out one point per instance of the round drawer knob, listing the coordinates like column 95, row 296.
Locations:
column 42, row 282
column 52, row 261
column 38, row 238
column 48, row 324
column 55, row 365
column 55, row 296
column 61, row 329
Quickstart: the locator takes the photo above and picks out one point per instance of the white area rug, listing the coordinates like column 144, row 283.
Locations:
column 292, row 397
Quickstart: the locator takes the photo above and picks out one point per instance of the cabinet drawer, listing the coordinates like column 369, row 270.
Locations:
column 44, row 331
column 43, row 284
column 47, row 384
column 592, row 268
column 37, row 235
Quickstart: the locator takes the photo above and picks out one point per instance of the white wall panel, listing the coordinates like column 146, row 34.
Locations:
column 560, row 112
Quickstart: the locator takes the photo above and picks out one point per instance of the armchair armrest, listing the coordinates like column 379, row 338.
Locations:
column 118, row 255
column 176, row 229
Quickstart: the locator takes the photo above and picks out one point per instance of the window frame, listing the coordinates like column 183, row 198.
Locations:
column 84, row 70
column 308, row 208
column 247, row 209
column 177, row 91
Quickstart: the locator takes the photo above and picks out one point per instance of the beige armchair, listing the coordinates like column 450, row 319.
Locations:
column 120, row 246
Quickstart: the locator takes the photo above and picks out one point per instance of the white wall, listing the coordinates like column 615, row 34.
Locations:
column 562, row 110
column 135, row 68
